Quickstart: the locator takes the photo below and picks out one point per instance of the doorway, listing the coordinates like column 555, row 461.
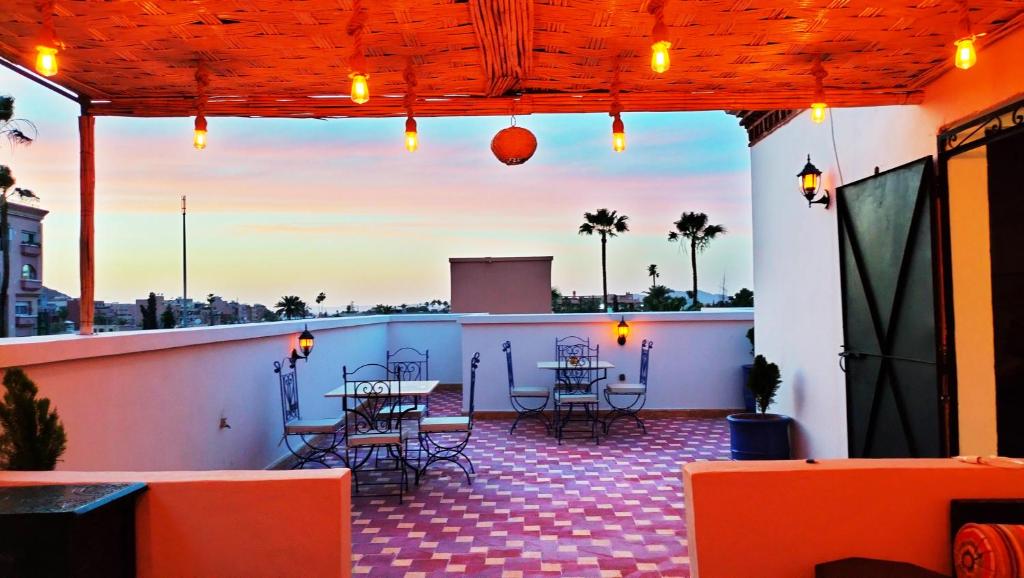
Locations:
column 983, row 162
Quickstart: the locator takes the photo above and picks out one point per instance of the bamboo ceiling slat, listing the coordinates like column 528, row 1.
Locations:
column 289, row 58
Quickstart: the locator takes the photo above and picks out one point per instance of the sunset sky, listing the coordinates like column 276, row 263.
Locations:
column 302, row 206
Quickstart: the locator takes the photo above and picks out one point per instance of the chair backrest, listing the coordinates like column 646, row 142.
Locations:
column 473, row 364
column 374, row 393
column 645, row 357
column 288, row 377
column 507, row 348
column 579, row 359
column 409, row 363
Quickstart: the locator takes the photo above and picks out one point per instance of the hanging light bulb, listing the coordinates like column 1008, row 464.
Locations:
column 412, row 139
column 618, row 135
column 966, row 56
column 360, row 87
column 818, row 107
column 46, row 60
column 199, row 134
column 818, row 112
column 660, row 60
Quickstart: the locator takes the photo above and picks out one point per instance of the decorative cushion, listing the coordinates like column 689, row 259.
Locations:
column 373, row 439
column 312, row 426
column 989, row 551
column 576, row 398
column 530, row 392
column 444, row 424
column 868, row 568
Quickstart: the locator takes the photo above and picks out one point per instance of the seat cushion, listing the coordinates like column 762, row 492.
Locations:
column 442, row 424
column 576, row 398
column 312, row 426
column 626, row 388
column 373, row 439
column 530, row 392
column 408, row 409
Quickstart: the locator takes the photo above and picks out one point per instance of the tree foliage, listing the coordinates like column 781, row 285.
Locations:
column 604, row 223
column 693, row 229
column 764, row 382
column 149, row 317
column 291, row 306
column 167, row 320
column 32, row 436
column 658, row 299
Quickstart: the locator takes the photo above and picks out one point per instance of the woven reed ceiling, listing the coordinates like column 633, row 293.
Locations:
column 290, row 57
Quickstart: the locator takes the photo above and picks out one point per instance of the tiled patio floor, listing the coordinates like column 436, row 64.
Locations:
column 539, row 509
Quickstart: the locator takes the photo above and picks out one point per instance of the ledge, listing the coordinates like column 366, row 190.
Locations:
column 735, row 314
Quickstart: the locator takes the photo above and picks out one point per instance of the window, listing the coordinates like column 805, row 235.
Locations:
column 29, row 238
column 28, row 271
column 23, row 308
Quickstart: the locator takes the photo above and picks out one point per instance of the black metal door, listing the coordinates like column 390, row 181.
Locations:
column 889, row 316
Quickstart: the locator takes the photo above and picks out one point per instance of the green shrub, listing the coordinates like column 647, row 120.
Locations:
column 31, row 435
column 764, row 382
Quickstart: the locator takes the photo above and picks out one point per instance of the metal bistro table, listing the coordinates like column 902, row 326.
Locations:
column 413, row 389
column 599, row 372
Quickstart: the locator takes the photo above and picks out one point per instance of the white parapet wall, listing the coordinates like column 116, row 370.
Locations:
column 696, row 361
column 153, row 400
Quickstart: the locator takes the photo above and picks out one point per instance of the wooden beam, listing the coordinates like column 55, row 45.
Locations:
column 86, row 252
column 429, row 105
column 504, row 30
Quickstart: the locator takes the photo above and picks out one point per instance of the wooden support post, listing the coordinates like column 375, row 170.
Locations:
column 86, row 250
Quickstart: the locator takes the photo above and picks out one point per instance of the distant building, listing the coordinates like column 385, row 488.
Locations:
column 501, row 285
column 25, row 237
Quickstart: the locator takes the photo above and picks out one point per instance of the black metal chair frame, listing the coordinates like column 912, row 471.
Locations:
column 415, row 369
column 370, row 408
column 637, row 400
column 451, row 446
column 315, row 446
column 580, row 375
column 523, row 410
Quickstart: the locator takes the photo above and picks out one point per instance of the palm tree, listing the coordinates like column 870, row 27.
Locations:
column 16, row 131
column 291, row 306
column 694, row 229
column 606, row 224
column 320, row 299
column 211, row 298
column 652, row 272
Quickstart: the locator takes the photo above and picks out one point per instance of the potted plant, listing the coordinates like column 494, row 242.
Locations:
column 761, row 435
column 749, row 404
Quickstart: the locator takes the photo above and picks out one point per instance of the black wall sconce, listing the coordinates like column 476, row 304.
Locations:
column 305, row 345
column 810, row 182
column 622, row 329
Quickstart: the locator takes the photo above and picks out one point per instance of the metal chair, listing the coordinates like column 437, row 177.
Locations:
column 445, row 438
column 373, row 422
column 410, row 364
column 618, row 394
column 526, row 401
column 574, row 387
column 319, row 437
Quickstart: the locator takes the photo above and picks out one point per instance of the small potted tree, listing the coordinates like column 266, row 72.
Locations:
column 760, row 435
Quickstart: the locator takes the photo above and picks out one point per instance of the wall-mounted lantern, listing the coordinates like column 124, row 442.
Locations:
column 622, row 330
column 305, row 346
column 810, row 183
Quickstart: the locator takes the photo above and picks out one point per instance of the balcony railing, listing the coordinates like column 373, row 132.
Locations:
column 31, row 249
column 31, row 284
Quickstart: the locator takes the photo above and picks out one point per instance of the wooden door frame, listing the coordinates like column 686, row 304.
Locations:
column 981, row 130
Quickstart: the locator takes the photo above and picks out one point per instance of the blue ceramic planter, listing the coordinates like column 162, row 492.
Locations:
column 759, row 437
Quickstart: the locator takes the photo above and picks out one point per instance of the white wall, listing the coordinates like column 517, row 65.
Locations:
column 695, row 363
column 439, row 334
column 796, row 262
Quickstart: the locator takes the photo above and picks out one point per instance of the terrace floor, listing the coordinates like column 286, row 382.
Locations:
column 539, row 509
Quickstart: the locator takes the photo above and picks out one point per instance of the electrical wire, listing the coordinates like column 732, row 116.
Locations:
column 835, row 150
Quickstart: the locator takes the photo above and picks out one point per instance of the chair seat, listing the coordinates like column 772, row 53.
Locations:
column 626, row 388
column 444, row 424
column 312, row 426
column 374, row 439
column 530, row 392
column 408, row 409
column 576, row 397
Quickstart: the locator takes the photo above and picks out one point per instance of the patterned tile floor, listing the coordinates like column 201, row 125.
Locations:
column 539, row 509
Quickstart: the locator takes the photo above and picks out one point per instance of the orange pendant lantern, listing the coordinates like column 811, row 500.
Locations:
column 618, row 135
column 412, row 139
column 966, row 56
column 514, row 145
column 46, row 48
column 46, row 60
column 818, row 107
